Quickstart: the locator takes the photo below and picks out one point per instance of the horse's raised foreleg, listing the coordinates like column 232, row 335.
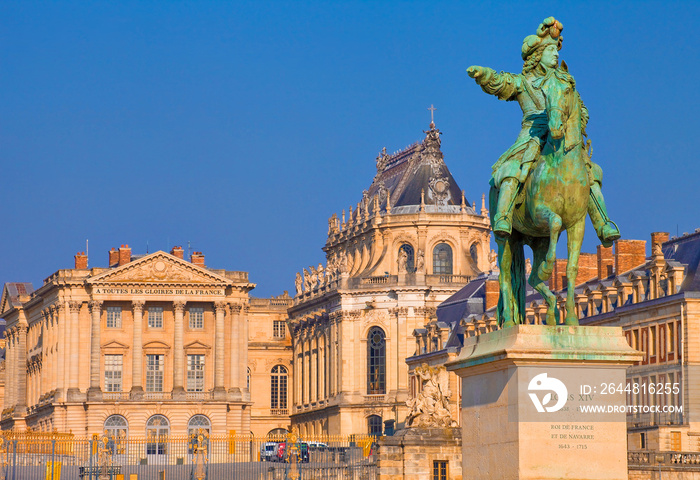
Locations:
column 547, row 267
column 540, row 247
column 574, row 239
column 505, row 260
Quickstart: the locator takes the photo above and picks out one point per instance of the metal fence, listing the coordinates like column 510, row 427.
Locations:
column 197, row 457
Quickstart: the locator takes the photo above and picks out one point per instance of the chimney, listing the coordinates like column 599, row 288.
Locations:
column 657, row 238
column 113, row 258
column 491, row 296
column 587, row 267
column 558, row 279
column 197, row 258
column 81, row 261
column 605, row 262
column 178, row 252
column 629, row 254
column 124, row 255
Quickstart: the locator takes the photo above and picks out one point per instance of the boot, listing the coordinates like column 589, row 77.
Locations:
column 502, row 220
column 605, row 228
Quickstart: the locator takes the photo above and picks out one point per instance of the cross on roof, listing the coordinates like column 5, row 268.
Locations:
column 432, row 110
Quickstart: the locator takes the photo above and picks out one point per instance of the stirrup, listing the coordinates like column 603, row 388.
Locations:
column 608, row 233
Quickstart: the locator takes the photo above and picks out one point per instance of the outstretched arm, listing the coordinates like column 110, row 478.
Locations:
column 505, row 86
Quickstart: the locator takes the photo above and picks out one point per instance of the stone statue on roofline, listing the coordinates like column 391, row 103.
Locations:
column 298, row 283
column 540, row 53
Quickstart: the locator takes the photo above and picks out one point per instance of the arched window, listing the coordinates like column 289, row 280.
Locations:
column 376, row 361
column 410, row 258
column 116, row 426
column 196, row 423
column 157, row 431
column 278, row 390
column 374, row 425
column 474, row 253
column 277, row 432
column 442, row 259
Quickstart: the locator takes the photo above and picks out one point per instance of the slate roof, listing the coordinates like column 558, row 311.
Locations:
column 418, row 168
column 467, row 301
column 685, row 250
column 14, row 290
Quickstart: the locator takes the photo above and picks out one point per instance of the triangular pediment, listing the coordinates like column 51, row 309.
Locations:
column 197, row 345
column 160, row 268
column 115, row 345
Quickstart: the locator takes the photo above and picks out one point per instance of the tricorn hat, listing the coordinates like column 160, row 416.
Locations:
column 548, row 33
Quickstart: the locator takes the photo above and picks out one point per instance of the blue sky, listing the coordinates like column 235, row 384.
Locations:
column 242, row 126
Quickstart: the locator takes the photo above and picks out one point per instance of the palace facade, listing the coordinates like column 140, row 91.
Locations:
column 656, row 301
column 410, row 243
column 150, row 344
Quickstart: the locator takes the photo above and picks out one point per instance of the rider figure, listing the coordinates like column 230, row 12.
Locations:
column 541, row 55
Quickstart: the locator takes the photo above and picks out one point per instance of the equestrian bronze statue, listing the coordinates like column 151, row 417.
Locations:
column 546, row 182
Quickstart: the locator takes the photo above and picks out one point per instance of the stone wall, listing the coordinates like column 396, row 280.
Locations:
column 411, row 454
column 650, row 473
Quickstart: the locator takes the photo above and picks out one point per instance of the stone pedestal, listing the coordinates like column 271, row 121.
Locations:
column 411, row 454
column 527, row 392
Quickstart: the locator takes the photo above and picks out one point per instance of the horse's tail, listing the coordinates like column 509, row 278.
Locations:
column 518, row 281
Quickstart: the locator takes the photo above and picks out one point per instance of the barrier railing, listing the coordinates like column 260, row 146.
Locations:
column 198, row 456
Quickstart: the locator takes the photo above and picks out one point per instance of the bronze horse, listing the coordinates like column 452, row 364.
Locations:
column 553, row 198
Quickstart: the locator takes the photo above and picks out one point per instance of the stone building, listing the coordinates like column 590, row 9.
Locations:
column 410, row 243
column 656, row 301
column 150, row 344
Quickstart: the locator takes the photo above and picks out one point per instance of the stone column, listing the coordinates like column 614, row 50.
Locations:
column 243, row 347
column 322, row 367
column 179, row 351
column 338, row 356
column 313, row 361
column 21, row 367
column 219, row 390
column 331, row 353
column 237, row 383
column 94, row 393
column 61, row 367
column 305, row 367
column 73, row 394
column 45, row 377
column 137, row 356
column 10, row 369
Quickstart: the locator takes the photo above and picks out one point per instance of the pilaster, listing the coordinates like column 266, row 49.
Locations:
column 73, row 394
column 137, row 360
column 94, row 393
column 219, row 390
column 179, row 350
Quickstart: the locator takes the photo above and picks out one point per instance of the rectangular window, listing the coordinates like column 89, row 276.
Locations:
column 196, row 318
column 279, row 328
column 439, row 469
column 636, row 345
column 114, row 317
column 671, row 338
column 113, row 373
column 155, row 317
column 195, row 373
column 652, row 341
column 154, row 373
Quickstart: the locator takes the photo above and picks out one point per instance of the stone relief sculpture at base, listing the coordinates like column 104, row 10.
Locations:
column 430, row 407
